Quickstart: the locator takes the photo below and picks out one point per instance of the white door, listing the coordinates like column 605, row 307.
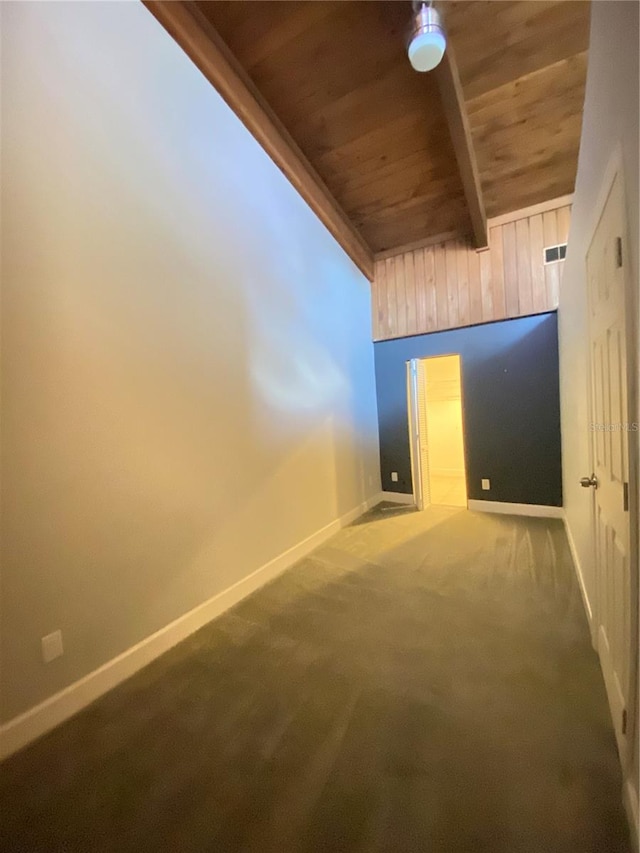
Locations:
column 416, row 402
column 609, row 425
column 423, row 432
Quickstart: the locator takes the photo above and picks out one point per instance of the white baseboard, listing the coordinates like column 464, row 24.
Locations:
column 396, row 497
column 631, row 807
column 532, row 510
column 583, row 589
column 26, row 727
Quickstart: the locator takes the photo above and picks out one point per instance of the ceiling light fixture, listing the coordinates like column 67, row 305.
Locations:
column 427, row 41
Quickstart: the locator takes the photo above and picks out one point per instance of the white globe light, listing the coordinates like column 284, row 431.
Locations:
column 426, row 50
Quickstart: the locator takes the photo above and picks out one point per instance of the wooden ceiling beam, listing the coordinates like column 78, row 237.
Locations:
column 204, row 46
column 532, row 210
column 456, row 113
column 433, row 240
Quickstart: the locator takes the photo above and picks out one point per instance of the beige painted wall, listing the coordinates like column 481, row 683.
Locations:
column 444, row 415
column 187, row 367
column 610, row 119
column 444, row 426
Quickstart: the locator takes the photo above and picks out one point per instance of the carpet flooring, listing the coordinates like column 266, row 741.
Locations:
column 423, row 683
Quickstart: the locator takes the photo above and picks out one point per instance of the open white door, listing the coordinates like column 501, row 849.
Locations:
column 414, row 432
column 610, row 478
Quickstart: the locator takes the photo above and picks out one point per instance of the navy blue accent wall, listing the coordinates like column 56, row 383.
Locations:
column 511, row 407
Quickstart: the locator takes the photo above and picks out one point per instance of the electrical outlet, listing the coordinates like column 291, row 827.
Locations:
column 486, row 485
column 394, row 476
column 52, row 646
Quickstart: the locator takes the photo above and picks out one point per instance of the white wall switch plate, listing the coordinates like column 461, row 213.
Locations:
column 486, row 485
column 52, row 646
column 394, row 476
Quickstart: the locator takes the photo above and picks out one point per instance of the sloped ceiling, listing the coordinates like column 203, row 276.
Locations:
column 381, row 138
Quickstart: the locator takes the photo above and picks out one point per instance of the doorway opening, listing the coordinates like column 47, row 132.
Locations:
column 436, row 431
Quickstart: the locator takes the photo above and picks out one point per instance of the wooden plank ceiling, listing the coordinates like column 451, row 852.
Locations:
column 386, row 141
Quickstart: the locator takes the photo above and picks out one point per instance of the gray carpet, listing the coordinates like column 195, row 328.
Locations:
column 423, row 682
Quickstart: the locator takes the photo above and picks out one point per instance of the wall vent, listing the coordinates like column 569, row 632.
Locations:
column 555, row 253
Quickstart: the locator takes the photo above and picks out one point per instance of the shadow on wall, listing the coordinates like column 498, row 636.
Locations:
column 511, row 407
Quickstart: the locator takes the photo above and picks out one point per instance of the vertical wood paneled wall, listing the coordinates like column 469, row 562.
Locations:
column 450, row 284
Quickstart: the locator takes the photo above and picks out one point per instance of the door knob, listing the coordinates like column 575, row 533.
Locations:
column 585, row 482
